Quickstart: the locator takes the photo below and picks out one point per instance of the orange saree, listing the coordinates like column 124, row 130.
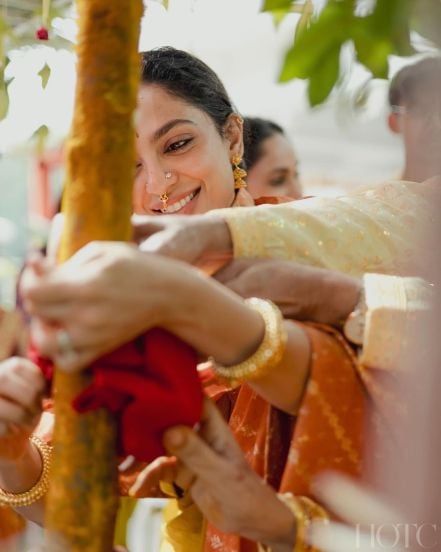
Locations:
column 288, row 452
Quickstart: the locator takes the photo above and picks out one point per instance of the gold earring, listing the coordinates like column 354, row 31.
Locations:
column 238, row 173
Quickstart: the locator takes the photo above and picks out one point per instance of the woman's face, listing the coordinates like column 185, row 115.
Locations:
column 181, row 153
column 276, row 172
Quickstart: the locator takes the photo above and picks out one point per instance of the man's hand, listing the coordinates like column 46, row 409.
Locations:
column 225, row 488
column 196, row 239
column 300, row 291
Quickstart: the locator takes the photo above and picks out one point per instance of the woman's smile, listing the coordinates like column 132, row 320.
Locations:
column 179, row 204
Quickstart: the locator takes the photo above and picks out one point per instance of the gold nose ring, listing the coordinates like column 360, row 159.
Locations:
column 164, row 198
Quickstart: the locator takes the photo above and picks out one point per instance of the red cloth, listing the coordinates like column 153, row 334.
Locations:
column 149, row 384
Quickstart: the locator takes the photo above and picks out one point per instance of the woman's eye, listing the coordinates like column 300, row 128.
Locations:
column 278, row 181
column 175, row 146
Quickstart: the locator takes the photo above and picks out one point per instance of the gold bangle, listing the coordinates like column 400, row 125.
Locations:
column 306, row 512
column 20, row 500
column 270, row 351
column 302, row 520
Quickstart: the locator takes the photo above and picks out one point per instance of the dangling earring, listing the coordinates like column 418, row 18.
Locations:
column 238, row 173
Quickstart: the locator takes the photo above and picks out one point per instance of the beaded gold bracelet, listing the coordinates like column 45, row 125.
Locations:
column 270, row 351
column 20, row 500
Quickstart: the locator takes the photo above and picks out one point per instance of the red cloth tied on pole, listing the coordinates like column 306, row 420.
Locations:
column 149, row 384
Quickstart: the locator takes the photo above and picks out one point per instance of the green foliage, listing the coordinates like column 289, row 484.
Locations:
column 23, row 35
column 312, row 46
column 281, row 8
column 271, row 5
column 4, row 95
column 39, row 138
column 44, row 73
column 319, row 38
column 4, row 99
column 321, row 83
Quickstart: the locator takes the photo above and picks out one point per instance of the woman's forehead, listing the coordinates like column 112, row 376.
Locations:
column 155, row 103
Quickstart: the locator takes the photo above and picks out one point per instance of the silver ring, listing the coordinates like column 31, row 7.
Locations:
column 167, row 174
column 65, row 345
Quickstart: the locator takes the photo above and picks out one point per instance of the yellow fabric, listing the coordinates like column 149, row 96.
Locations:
column 374, row 230
column 184, row 527
column 394, row 308
column 125, row 511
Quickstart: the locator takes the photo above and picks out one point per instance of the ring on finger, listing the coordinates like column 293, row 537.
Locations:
column 65, row 346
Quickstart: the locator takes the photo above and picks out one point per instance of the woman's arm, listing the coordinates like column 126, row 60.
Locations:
column 218, row 323
column 109, row 293
column 21, row 385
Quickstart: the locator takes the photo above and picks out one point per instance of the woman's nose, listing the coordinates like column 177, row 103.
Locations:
column 156, row 179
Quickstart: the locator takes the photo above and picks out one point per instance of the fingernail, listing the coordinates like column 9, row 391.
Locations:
column 174, row 438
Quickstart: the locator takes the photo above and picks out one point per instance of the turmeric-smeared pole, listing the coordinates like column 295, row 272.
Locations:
column 82, row 501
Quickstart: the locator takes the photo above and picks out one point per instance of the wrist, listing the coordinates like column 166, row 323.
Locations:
column 218, row 235
column 283, row 536
column 343, row 294
column 207, row 315
column 21, row 473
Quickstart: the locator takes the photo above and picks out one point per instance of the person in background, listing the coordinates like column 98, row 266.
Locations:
column 415, row 113
column 270, row 160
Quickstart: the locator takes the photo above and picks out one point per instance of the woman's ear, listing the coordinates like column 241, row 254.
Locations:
column 233, row 133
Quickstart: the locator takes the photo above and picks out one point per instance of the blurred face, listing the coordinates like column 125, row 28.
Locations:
column 275, row 173
column 180, row 153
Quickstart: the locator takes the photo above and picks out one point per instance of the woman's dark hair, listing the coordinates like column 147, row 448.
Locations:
column 188, row 78
column 255, row 132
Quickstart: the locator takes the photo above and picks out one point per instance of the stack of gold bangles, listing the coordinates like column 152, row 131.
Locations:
column 270, row 352
column 20, row 500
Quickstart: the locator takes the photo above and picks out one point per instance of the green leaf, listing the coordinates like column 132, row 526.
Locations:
column 329, row 31
column 372, row 51
column 45, row 73
column 323, row 81
column 279, row 9
column 274, row 5
column 4, row 100
column 390, row 22
column 40, row 137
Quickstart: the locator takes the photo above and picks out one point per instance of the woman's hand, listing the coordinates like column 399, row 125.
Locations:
column 301, row 292
column 225, row 488
column 108, row 293
column 103, row 296
column 21, row 388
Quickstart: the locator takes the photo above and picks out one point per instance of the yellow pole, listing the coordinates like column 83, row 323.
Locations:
column 82, row 500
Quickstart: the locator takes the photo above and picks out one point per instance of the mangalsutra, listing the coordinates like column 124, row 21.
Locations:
column 164, row 198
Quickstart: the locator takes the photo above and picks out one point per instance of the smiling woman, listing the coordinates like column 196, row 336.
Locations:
column 188, row 137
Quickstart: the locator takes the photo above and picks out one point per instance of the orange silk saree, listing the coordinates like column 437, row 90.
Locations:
column 287, row 451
